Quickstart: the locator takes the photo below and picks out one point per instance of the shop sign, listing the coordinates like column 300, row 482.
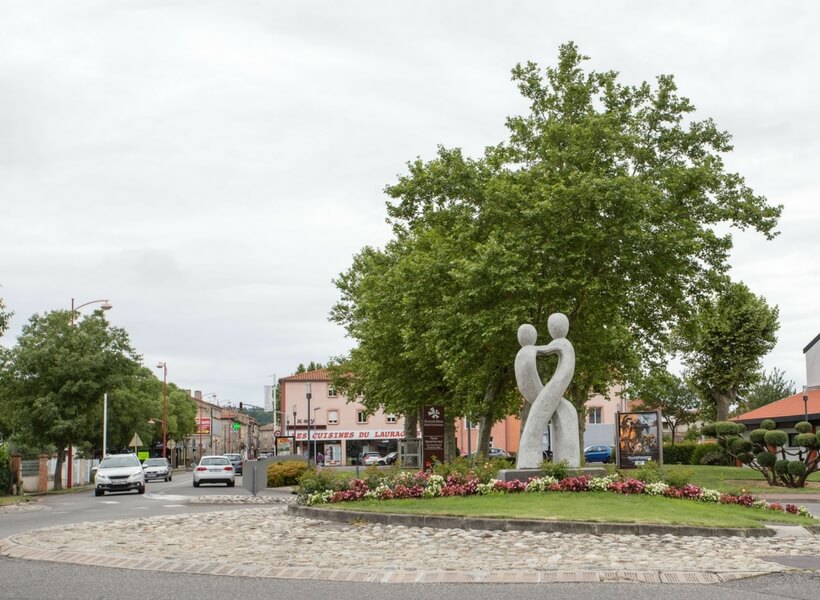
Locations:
column 432, row 426
column 363, row 434
column 639, row 439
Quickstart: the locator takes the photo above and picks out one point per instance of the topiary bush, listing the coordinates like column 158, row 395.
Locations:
column 702, row 450
column 285, row 473
column 803, row 427
column 776, row 438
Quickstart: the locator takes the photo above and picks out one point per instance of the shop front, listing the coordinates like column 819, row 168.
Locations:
column 343, row 447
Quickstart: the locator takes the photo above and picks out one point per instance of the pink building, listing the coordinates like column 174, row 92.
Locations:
column 338, row 430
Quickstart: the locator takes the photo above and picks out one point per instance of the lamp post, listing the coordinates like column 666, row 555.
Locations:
column 314, row 432
column 293, row 431
column 805, row 404
column 164, row 367
column 106, row 305
column 308, row 396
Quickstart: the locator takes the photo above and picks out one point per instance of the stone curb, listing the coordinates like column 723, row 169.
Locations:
column 9, row 548
column 539, row 526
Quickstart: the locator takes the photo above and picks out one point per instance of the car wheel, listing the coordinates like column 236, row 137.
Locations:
column 606, row 460
column 99, row 492
column 141, row 489
column 196, row 484
column 170, row 477
column 231, row 483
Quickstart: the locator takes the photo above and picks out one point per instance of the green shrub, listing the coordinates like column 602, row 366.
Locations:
column 797, row 468
column 484, row 470
column 740, row 445
column 781, row 467
column 285, row 473
column 757, row 436
column 313, row 481
column 649, row 472
column 703, row 449
column 559, row 470
column 692, row 434
column 776, row 438
column 803, row 427
column 709, row 430
column 718, row 458
column 745, row 457
column 768, row 424
column 677, row 478
column 729, row 428
column 766, row 459
column 807, row 440
column 679, row 454
column 5, row 470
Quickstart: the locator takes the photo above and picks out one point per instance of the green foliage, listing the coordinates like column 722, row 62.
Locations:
column 717, row 458
column 771, row 387
column 768, row 424
column 724, row 428
column 757, row 436
column 781, row 467
column 677, row 478
column 739, row 445
column 649, row 472
column 806, row 440
column 803, row 427
column 5, row 468
column 776, row 438
column 673, row 396
column 285, row 473
column 745, row 457
column 723, row 343
column 313, row 480
column 703, row 449
column 623, row 172
column 796, row 468
column 678, row 454
column 559, row 470
column 766, row 459
column 484, row 470
column 709, row 430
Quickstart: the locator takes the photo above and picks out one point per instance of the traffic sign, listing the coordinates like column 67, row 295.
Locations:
column 136, row 441
column 277, row 432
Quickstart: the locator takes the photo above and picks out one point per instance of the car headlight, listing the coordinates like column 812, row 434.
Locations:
column 135, row 477
column 101, row 478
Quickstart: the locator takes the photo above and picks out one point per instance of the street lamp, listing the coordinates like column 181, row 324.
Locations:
column 293, row 451
column 805, row 404
column 164, row 367
column 308, row 395
column 106, row 305
column 314, row 431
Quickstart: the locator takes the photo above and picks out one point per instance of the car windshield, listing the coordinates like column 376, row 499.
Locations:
column 234, row 456
column 155, row 462
column 215, row 460
column 113, row 462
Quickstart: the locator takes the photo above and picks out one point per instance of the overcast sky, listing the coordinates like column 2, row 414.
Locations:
column 211, row 166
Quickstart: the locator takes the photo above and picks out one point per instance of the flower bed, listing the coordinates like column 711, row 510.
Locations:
column 431, row 485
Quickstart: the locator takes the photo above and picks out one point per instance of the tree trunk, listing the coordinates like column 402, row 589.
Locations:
column 449, row 439
column 58, row 471
column 411, row 425
column 722, row 403
column 487, row 420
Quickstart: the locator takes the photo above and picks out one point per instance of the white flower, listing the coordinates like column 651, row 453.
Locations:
column 655, row 489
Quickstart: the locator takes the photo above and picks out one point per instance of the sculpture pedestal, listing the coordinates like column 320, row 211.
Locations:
column 525, row 474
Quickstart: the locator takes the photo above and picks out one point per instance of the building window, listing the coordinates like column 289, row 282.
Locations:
column 361, row 417
column 333, row 417
column 331, row 392
column 595, row 415
column 390, row 418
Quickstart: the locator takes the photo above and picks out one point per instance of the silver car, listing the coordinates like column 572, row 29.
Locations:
column 119, row 473
column 214, row 469
column 157, row 468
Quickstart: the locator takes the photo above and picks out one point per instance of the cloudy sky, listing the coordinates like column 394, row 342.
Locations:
column 211, row 166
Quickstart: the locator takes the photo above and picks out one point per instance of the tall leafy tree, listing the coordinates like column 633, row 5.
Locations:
column 4, row 317
column 771, row 387
column 53, row 380
column 724, row 342
column 673, row 396
column 602, row 204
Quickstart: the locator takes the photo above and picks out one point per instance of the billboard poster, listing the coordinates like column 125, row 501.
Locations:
column 333, row 454
column 640, row 439
column 284, row 445
column 432, row 427
column 202, row 426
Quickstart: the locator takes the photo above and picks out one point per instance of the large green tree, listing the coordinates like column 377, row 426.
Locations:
column 724, row 341
column 604, row 204
column 673, row 396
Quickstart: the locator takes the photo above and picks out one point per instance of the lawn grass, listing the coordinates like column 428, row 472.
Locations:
column 734, row 479
column 7, row 500
column 584, row 506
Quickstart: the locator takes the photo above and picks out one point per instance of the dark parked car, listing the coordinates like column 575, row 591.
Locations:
column 598, row 454
column 236, row 461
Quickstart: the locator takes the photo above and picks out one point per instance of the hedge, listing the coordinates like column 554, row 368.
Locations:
column 679, row 454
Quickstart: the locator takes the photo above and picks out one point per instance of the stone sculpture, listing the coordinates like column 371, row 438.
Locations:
column 546, row 400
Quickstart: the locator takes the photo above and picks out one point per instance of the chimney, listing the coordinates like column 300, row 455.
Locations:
column 198, row 394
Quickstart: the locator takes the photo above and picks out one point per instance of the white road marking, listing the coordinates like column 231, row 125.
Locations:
column 109, row 501
column 173, row 505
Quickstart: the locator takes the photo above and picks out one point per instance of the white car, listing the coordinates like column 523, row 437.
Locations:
column 157, row 468
column 214, row 469
column 119, row 473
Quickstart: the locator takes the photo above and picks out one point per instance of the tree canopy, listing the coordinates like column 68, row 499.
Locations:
column 603, row 204
column 660, row 390
column 724, row 341
column 771, row 387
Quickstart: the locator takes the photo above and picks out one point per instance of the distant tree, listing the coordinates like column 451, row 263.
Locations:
column 661, row 390
column 724, row 342
column 4, row 317
column 312, row 366
column 52, row 382
column 771, row 387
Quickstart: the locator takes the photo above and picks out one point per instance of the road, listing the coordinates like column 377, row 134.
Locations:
column 37, row 580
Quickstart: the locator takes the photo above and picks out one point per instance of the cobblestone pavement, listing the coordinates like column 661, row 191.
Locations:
column 263, row 541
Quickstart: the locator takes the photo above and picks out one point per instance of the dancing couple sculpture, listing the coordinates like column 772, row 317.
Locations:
column 546, row 400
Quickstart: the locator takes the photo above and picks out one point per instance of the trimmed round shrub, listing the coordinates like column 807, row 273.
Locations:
column 781, row 467
column 803, row 427
column 768, row 424
column 766, row 459
column 285, row 473
column 739, row 445
column 817, row 435
column 756, row 436
column 797, row 468
column 807, row 440
column 729, row 428
column 745, row 457
column 776, row 438
column 709, row 430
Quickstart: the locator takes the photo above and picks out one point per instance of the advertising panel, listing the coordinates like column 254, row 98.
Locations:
column 202, row 426
column 640, row 439
column 432, row 427
column 333, row 454
column 284, row 445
